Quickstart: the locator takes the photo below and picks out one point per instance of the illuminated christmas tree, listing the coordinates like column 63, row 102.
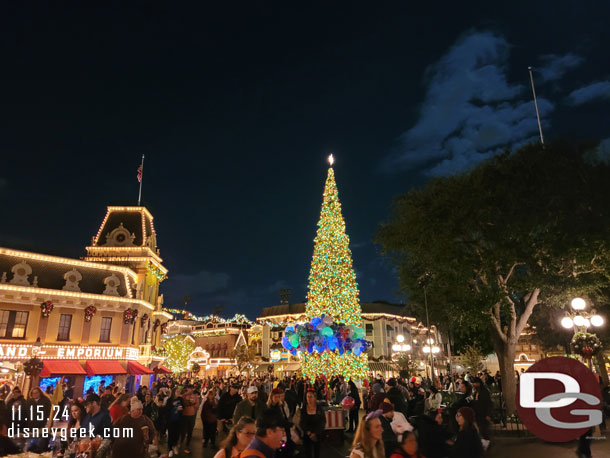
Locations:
column 333, row 292
column 178, row 351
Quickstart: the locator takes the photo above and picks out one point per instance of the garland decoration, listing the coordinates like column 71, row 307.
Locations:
column 321, row 334
column 143, row 320
column 156, row 324
column 89, row 312
column 586, row 344
column 129, row 316
column 237, row 319
column 32, row 367
column 163, row 328
column 46, row 308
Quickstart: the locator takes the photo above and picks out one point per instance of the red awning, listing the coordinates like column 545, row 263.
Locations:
column 162, row 370
column 104, row 367
column 61, row 367
column 135, row 368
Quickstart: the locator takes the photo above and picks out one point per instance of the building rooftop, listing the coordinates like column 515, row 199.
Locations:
column 24, row 268
column 126, row 227
column 367, row 308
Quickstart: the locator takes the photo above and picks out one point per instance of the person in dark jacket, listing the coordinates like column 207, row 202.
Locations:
column 226, row 407
column 40, row 404
column 291, row 398
column 396, row 397
column 418, row 405
column 468, row 442
column 432, row 437
column 390, row 441
column 465, row 400
column 209, row 419
column 174, row 421
column 312, row 422
column 7, row 446
column 482, row 406
column 96, row 416
column 251, row 407
column 355, row 410
column 378, row 396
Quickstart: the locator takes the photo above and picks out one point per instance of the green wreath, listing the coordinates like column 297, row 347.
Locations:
column 586, row 344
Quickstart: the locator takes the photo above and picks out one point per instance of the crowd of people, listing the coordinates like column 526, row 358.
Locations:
column 267, row 417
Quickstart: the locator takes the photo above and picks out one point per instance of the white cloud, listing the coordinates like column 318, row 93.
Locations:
column 470, row 111
column 602, row 152
column 597, row 90
column 554, row 66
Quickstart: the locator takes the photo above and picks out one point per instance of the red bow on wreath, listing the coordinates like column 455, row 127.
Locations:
column 89, row 312
column 46, row 308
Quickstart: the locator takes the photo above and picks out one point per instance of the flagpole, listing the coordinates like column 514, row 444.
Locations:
column 536, row 105
column 141, row 180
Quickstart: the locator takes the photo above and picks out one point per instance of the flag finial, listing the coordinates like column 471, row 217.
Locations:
column 331, row 160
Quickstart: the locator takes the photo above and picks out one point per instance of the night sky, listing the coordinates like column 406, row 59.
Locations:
column 236, row 106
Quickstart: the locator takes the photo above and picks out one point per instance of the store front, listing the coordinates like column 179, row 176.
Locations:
column 138, row 375
column 80, row 366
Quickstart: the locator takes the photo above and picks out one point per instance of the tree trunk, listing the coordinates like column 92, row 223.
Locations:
column 600, row 360
column 506, row 359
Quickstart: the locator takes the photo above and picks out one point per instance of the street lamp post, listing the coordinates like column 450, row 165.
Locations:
column 424, row 280
column 400, row 347
column 578, row 319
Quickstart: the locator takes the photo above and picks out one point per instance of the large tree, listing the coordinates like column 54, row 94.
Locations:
column 518, row 230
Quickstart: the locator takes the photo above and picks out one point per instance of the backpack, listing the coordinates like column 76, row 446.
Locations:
column 251, row 452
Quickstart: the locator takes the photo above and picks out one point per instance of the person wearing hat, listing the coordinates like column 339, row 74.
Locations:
column 467, row 443
column 251, row 407
column 136, row 432
column 226, row 407
column 377, row 398
column 96, row 416
column 390, row 441
column 268, row 438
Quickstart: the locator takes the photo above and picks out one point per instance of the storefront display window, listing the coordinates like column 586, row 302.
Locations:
column 49, row 381
column 95, row 380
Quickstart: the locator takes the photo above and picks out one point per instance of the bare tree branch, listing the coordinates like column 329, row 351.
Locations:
column 529, row 308
column 495, row 319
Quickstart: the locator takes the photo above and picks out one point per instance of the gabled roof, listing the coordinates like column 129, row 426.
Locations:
column 51, row 272
column 137, row 223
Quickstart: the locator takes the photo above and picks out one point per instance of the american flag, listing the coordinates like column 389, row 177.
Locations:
column 140, row 174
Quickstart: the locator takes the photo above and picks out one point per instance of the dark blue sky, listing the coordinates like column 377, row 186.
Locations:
column 236, row 107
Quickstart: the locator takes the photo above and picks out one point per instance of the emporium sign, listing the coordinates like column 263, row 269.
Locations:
column 10, row 351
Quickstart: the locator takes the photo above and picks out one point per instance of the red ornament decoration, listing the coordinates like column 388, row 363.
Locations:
column 129, row 316
column 156, row 324
column 46, row 308
column 143, row 320
column 89, row 312
column 163, row 328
